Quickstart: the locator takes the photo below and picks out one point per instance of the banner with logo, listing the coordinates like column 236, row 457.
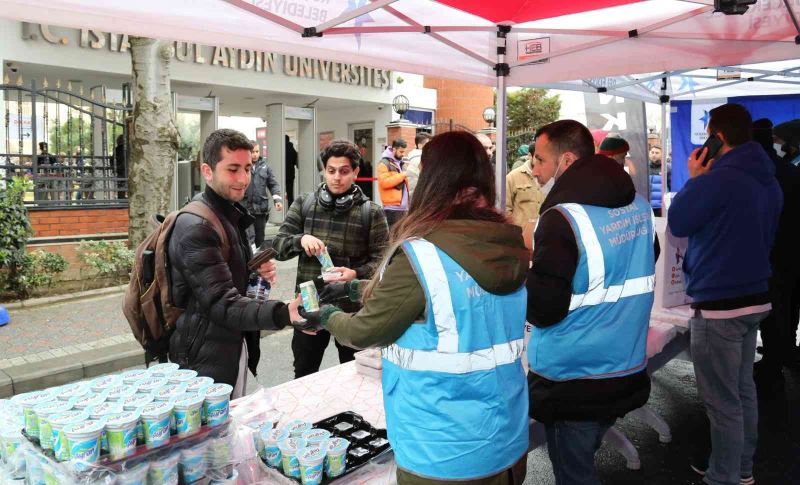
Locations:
column 689, row 120
column 615, row 114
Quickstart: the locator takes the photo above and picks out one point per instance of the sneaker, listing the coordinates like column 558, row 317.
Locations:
column 699, row 468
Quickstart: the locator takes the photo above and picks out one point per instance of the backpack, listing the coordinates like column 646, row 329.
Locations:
column 148, row 304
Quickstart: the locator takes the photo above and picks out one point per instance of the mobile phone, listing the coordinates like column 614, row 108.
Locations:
column 713, row 144
column 261, row 258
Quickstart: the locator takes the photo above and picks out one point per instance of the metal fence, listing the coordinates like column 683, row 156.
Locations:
column 72, row 145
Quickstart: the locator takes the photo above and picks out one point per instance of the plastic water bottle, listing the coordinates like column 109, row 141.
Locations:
column 258, row 288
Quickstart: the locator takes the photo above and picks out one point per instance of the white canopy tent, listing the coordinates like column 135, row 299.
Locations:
column 513, row 42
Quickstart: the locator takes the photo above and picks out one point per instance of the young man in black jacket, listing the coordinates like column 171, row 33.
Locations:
column 218, row 334
column 590, row 292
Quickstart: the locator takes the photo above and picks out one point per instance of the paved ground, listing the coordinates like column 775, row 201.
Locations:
column 98, row 322
column 50, row 331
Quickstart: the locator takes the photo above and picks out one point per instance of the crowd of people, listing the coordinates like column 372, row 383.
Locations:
column 444, row 283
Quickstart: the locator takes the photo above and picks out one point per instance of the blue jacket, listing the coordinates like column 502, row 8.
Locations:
column 730, row 216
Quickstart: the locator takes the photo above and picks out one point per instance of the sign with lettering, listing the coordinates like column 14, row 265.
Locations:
column 224, row 57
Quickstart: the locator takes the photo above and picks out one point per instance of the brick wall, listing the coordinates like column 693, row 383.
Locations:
column 49, row 223
column 461, row 101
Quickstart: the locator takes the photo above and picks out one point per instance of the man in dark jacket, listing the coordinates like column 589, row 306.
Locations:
column 339, row 218
column 218, row 334
column 729, row 210
column 256, row 200
column 587, row 348
column 778, row 330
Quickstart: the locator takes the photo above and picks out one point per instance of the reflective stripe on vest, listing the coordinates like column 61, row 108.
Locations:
column 455, row 394
column 598, row 292
column 605, row 331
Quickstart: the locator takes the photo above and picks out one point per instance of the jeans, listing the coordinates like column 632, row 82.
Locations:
column 259, row 225
column 571, row 446
column 723, row 351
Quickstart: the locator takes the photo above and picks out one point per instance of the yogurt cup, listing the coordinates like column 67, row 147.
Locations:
column 10, row 441
column 121, row 432
column 136, row 403
column 272, row 452
column 187, row 414
column 256, row 430
column 135, row 475
column 311, row 460
column 181, row 376
column 105, row 382
column 134, row 376
column 78, row 389
column 169, row 391
column 151, row 384
column 335, row 459
column 57, row 423
column 44, row 411
column 232, row 479
column 297, row 427
column 101, row 411
column 317, row 437
column 89, row 400
column 289, row 450
column 216, row 404
column 33, row 468
column 164, row 471
column 155, row 419
column 199, row 384
column 27, row 403
column 84, row 442
column 193, row 463
column 120, row 393
column 163, row 370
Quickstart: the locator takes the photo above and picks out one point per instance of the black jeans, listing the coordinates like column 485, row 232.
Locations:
column 258, row 226
column 308, row 351
column 393, row 217
column 778, row 330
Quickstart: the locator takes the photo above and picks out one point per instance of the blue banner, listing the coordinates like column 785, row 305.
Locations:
column 690, row 118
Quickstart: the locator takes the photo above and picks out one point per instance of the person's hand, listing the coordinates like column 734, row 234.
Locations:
column 311, row 245
column 269, row 271
column 278, row 206
column 695, row 162
column 334, row 291
column 347, row 274
column 296, row 319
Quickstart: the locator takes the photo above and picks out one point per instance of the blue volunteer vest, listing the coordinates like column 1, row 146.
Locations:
column 454, row 391
column 605, row 332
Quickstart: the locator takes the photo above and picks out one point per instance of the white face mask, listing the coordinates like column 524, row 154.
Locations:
column 779, row 149
column 549, row 185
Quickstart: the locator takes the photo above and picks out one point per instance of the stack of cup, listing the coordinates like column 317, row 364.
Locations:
column 57, row 423
column 156, row 418
column 121, row 433
column 164, row 471
column 289, row 449
column 311, row 460
column 272, row 451
column 216, row 404
column 43, row 413
column 187, row 414
column 194, row 462
column 84, row 443
column 335, row 459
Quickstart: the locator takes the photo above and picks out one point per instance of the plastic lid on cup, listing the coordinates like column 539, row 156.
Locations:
column 310, row 455
column 338, row 445
column 292, row 445
column 189, row 401
column 219, row 391
column 122, row 420
column 157, row 409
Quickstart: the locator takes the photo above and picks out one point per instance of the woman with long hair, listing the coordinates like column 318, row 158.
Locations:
column 448, row 309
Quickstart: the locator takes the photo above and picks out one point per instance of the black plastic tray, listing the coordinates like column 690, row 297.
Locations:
column 356, row 423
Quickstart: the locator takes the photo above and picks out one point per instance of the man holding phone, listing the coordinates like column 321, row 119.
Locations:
column 729, row 210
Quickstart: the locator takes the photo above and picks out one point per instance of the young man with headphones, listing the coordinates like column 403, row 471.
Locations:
column 340, row 218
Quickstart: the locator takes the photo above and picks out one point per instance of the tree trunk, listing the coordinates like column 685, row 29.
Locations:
column 153, row 137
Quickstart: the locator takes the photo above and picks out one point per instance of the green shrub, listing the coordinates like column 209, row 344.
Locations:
column 34, row 270
column 15, row 228
column 106, row 258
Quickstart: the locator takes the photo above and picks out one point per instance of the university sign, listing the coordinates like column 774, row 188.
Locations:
column 222, row 57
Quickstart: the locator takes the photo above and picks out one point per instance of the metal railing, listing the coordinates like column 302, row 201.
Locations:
column 73, row 147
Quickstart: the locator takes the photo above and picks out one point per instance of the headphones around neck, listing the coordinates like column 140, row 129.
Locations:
column 339, row 204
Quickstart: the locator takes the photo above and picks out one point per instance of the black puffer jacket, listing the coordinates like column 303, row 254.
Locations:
column 208, row 336
column 598, row 181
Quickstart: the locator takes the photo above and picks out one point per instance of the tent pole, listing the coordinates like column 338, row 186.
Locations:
column 501, row 124
column 664, row 155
